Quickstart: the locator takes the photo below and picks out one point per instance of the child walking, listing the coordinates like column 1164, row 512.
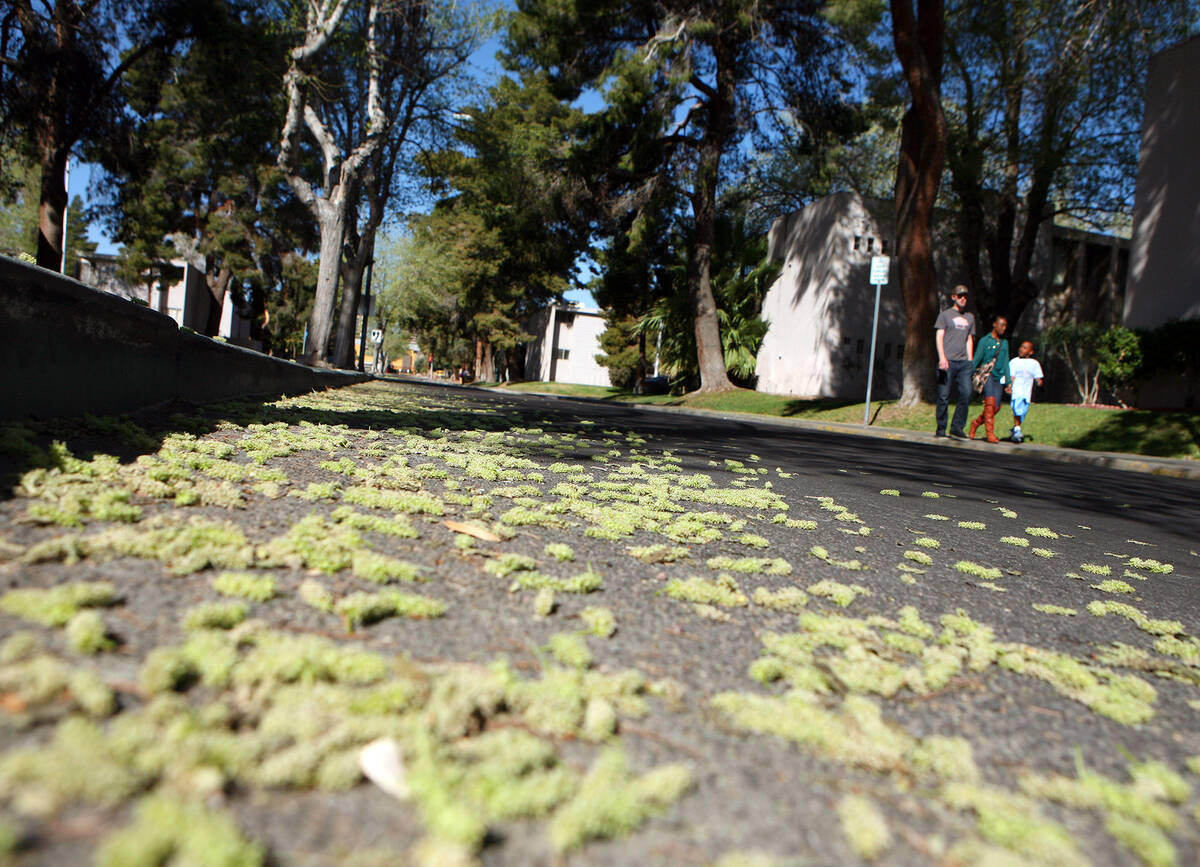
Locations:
column 1025, row 370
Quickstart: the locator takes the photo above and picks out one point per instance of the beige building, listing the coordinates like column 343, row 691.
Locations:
column 820, row 309
column 1164, row 268
column 187, row 300
column 565, row 346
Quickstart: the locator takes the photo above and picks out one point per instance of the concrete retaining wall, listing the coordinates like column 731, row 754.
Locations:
column 67, row 349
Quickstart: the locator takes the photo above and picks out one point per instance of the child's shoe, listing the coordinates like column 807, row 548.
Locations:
column 1015, row 436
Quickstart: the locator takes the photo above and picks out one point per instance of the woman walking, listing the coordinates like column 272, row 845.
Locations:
column 991, row 360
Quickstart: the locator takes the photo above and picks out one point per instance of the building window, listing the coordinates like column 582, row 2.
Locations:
column 870, row 245
column 860, row 346
column 887, row 350
column 562, row 354
column 857, row 241
column 883, row 246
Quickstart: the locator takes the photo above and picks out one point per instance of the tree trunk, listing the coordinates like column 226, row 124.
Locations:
column 710, row 356
column 52, row 207
column 486, row 371
column 343, row 343
column 332, row 226
column 218, row 285
column 919, row 46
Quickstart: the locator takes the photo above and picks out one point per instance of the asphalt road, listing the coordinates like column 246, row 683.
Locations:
column 891, row 521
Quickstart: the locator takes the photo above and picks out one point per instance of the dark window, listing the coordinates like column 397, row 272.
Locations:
column 883, row 246
column 857, row 241
column 562, row 354
column 887, row 350
column 870, row 244
column 860, row 346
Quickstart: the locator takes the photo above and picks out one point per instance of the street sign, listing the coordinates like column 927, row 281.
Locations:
column 376, row 335
column 879, row 270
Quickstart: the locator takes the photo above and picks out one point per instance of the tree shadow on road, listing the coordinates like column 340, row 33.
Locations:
column 1003, row 474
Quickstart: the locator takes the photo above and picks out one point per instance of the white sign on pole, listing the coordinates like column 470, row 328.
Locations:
column 879, row 277
column 376, row 335
column 879, row 270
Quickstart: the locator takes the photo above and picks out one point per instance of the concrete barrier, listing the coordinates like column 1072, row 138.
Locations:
column 67, row 349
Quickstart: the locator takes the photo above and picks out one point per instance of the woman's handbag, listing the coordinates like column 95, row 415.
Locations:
column 980, row 377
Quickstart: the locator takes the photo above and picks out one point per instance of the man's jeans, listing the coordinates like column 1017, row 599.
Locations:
column 958, row 376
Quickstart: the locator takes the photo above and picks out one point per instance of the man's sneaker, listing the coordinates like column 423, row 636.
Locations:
column 959, row 434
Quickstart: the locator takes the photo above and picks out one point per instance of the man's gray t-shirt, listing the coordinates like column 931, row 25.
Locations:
column 958, row 327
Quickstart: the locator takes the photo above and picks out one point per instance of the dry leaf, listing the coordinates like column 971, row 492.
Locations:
column 472, row 530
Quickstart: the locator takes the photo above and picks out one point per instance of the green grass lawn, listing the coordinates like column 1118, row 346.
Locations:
column 1143, row 432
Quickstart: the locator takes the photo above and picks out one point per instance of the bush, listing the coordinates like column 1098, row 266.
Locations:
column 1096, row 356
column 623, row 352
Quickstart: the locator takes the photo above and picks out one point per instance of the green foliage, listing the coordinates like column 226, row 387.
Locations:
column 246, row 585
column 166, row 830
column 1095, row 356
column 56, row 605
column 611, row 802
column 86, row 633
column 741, row 275
column 624, row 352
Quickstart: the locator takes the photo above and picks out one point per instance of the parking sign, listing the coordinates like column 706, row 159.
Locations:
column 879, row 270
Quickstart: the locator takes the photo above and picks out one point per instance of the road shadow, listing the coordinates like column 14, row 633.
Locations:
column 1004, row 473
column 1162, row 434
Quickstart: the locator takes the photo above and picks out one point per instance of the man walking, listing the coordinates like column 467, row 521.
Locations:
column 955, row 335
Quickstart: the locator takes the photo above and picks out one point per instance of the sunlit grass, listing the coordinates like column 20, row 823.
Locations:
column 1144, row 432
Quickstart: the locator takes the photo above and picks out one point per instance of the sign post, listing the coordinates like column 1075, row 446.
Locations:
column 879, row 278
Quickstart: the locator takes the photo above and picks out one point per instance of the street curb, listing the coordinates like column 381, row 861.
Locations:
column 1175, row 468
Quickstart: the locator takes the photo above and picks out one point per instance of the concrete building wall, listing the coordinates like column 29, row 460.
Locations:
column 1164, row 268
column 566, row 346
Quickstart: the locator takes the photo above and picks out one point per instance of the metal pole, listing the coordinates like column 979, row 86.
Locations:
column 871, row 368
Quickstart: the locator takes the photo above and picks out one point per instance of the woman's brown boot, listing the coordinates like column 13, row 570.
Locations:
column 989, row 419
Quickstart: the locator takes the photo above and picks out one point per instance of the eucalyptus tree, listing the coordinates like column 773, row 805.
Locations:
column 685, row 81
column 1044, row 100
column 61, row 62
column 426, row 81
column 324, row 172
